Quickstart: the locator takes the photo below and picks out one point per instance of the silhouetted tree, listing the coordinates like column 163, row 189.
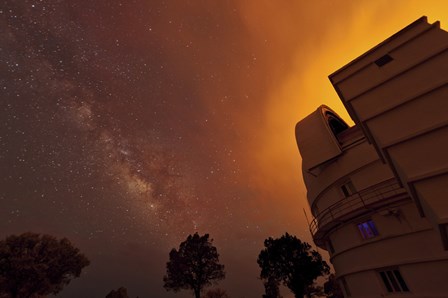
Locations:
column 292, row 262
column 35, row 265
column 194, row 266
column 314, row 291
column 271, row 289
column 332, row 288
column 120, row 293
column 216, row 293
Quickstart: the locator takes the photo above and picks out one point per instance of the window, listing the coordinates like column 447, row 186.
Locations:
column 383, row 60
column 348, row 189
column 336, row 124
column 393, row 281
column 368, row 229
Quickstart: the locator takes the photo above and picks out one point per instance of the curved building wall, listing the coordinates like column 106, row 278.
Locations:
column 405, row 243
column 353, row 190
column 397, row 92
column 360, row 165
column 356, row 161
column 320, row 144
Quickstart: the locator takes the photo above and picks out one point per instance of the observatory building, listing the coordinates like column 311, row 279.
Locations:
column 378, row 190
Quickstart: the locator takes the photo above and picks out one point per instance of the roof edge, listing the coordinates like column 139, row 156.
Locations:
column 394, row 36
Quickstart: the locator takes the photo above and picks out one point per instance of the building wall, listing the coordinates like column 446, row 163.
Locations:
column 406, row 242
column 378, row 190
column 400, row 104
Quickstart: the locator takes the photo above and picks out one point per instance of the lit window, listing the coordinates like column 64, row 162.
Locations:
column 348, row 189
column 368, row 229
column 393, row 281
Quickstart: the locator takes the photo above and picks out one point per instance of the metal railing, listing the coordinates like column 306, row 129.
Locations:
column 357, row 201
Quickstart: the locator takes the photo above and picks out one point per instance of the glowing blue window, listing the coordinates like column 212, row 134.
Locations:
column 368, row 229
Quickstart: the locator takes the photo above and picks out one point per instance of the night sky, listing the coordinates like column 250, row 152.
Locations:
column 127, row 125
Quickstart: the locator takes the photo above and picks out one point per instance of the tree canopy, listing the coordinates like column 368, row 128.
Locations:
column 122, row 292
column 216, row 293
column 332, row 288
column 293, row 263
column 271, row 289
column 194, row 266
column 33, row 264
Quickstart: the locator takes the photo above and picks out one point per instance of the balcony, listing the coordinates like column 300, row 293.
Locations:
column 353, row 206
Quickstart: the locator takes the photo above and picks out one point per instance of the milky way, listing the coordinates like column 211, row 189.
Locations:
column 127, row 125
column 106, row 139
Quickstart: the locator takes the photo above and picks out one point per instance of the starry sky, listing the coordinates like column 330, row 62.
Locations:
column 125, row 126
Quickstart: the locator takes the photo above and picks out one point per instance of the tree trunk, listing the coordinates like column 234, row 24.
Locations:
column 197, row 293
column 14, row 293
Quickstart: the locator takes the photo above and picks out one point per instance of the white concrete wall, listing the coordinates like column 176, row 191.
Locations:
column 402, row 108
column 406, row 241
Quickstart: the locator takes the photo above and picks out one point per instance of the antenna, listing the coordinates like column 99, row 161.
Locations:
column 306, row 216
column 308, row 223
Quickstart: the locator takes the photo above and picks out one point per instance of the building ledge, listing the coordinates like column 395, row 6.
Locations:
column 354, row 206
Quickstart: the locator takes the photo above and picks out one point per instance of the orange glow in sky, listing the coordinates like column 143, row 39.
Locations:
column 322, row 37
column 127, row 125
